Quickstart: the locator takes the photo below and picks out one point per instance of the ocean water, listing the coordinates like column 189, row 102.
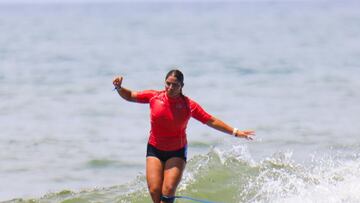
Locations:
column 288, row 70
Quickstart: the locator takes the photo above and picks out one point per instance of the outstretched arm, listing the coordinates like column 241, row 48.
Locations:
column 126, row 94
column 223, row 127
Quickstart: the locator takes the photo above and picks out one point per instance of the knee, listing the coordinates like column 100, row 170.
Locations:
column 154, row 190
column 168, row 189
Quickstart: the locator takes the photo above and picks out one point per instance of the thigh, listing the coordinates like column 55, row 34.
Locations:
column 154, row 172
column 173, row 171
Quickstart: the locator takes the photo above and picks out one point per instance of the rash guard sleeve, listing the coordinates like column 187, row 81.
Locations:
column 198, row 112
column 145, row 96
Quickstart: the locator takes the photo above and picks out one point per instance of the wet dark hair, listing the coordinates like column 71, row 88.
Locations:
column 179, row 77
column 177, row 74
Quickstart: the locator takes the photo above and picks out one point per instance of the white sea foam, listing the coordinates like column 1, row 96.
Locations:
column 329, row 180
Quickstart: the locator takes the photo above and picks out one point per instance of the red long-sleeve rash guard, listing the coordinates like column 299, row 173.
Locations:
column 169, row 118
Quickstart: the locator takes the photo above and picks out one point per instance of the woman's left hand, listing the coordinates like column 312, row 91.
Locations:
column 247, row 134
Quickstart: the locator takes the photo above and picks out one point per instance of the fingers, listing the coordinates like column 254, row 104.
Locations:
column 247, row 134
column 117, row 81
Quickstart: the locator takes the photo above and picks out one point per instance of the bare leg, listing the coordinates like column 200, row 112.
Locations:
column 154, row 177
column 174, row 168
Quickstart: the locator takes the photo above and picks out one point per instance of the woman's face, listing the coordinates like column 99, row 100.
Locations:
column 172, row 86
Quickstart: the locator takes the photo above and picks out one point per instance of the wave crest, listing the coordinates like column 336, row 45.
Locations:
column 233, row 176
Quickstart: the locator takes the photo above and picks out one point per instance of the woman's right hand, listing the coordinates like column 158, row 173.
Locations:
column 117, row 81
